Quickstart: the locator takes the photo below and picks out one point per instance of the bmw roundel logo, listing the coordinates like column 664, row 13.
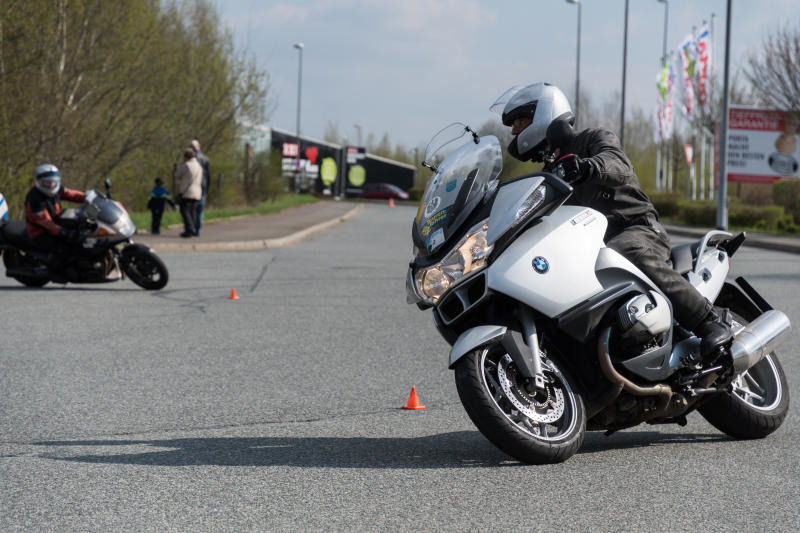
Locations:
column 540, row 264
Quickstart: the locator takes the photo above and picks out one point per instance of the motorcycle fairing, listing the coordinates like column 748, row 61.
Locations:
column 569, row 278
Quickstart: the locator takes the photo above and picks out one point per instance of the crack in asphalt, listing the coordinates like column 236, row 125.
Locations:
column 263, row 273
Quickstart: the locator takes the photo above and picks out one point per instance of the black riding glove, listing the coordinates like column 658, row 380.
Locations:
column 572, row 169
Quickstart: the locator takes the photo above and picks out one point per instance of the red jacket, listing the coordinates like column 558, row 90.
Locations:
column 41, row 211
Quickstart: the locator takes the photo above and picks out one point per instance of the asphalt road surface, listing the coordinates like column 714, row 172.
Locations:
column 183, row 410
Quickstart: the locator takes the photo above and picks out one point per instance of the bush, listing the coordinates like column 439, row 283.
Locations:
column 703, row 213
column 786, row 193
column 667, row 205
column 763, row 218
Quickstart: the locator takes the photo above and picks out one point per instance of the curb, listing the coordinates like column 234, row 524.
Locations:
column 754, row 240
column 258, row 244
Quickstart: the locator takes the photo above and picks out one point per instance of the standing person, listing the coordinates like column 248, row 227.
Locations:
column 592, row 161
column 190, row 174
column 206, row 164
column 158, row 197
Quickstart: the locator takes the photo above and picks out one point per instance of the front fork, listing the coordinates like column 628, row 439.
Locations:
column 532, row 340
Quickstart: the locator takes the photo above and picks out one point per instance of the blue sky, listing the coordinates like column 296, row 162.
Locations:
column 409, row 67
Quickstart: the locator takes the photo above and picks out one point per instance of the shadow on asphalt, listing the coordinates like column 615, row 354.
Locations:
column 461, row 449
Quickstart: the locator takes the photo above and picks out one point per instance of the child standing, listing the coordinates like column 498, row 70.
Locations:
column 158, row 197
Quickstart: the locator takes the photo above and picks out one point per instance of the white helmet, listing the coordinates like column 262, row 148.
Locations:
column 3, row 208
column 48, row 179
column 543, row 103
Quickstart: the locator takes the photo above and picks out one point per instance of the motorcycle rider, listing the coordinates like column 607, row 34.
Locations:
column 593, row 162
column 43, row 206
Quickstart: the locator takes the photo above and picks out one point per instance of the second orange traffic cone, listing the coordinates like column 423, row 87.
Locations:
column 413, row 402
column 391, row 202
column 233, row 295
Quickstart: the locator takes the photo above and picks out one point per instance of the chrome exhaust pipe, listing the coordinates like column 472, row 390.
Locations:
column 759, row 338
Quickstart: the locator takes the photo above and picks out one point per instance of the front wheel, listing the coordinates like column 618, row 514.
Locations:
column 533, row 426
column 145, row 268
column 757, row 403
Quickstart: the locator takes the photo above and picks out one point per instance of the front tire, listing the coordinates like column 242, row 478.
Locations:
column 144, row 268
column 757, row 403
column 539, row 428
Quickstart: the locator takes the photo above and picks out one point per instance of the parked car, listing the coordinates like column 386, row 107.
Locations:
column 383, row 191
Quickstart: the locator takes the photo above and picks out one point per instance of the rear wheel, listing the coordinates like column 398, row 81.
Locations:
column 13, row 259
column 144, row 268
column 545, row 426
column 757, row 403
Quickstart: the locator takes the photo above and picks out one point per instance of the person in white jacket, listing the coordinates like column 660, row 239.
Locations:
column 190, row 174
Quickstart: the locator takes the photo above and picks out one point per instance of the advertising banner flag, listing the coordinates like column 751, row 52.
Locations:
column 687, row 54
column 762, row 145
column 665, row 83
column 703, row 69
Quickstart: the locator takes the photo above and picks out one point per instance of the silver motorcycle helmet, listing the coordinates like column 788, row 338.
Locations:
column 542, row 103
column 48, row 179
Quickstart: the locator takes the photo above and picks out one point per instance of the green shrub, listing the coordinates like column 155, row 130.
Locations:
column 667, row 205
column 763, row 218
column 703, row 213
column 786, row 193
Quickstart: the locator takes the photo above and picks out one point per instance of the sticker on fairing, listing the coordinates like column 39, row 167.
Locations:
column 433, row 221
column 436, row 240
column 432, row 206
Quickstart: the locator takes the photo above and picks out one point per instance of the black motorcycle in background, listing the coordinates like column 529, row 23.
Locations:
column 106, row 252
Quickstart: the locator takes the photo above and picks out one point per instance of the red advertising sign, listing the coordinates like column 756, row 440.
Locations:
column 762, row 145
column 289, row 149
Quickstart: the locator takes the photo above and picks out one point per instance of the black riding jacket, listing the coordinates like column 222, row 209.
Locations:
column 611, row 185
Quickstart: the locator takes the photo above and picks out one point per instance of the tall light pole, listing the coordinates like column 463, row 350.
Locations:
column 661, row 155
column 722, row 191
column 624, row 72
column 299, row 47
column 577, row 64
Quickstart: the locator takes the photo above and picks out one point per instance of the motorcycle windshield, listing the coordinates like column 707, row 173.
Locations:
column 107, row 211
column 460, row 182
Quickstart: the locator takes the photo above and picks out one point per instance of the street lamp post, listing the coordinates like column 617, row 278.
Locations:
column 661, row 154
column 624, row 73
column 299, row 47
column 577, row 64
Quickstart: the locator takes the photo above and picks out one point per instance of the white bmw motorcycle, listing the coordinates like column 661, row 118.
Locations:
column 554, row 334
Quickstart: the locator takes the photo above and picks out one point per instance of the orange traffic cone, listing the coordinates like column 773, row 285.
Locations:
column 413, row 402
column 391, row 202
column 233, row 295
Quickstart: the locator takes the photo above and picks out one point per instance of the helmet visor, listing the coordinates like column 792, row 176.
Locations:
column 50, row 183
column 500, row 104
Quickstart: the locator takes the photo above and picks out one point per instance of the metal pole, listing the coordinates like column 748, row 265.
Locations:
column 299, row 47
column 661, row 161
column 578, row 70
column 624, row 72
column 577, row 64
column 722, row 191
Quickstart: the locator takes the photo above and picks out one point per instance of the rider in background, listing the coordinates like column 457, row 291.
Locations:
column 592, row 161
column 43, row 207
column 3, row 208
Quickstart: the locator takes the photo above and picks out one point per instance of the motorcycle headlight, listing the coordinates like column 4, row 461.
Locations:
column 468, row 256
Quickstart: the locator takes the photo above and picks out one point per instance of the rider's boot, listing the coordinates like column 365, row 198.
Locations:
column 714, row 334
